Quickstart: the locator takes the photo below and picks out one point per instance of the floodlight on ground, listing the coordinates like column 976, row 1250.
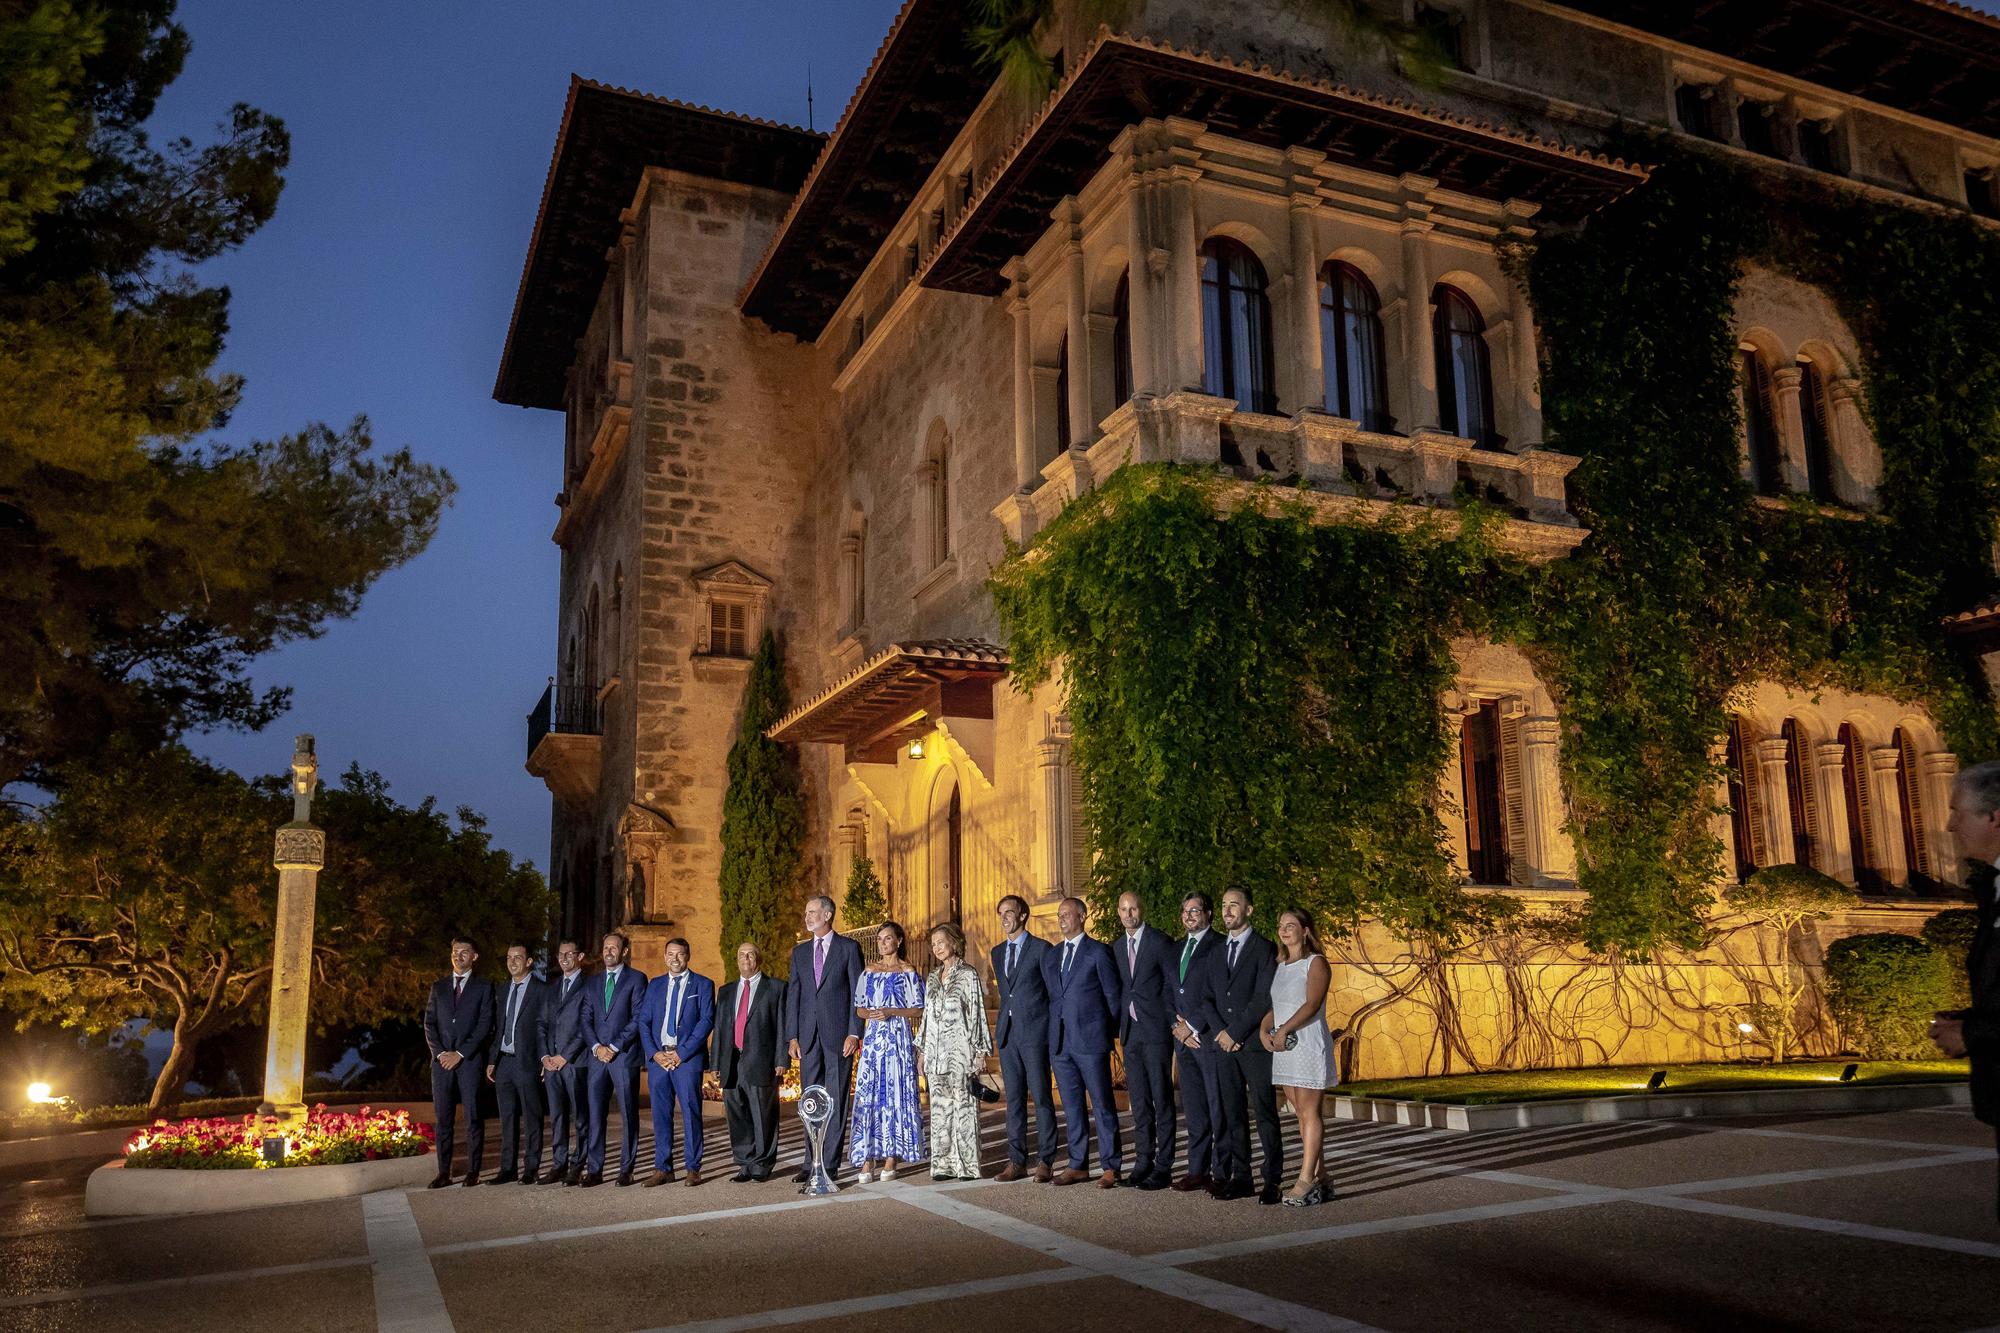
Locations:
column 1657, row 1081
column 1847, row 1074
column 41, row 1094
column 274, row 1148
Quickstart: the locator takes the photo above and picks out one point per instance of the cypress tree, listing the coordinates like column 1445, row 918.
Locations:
column 763, row 826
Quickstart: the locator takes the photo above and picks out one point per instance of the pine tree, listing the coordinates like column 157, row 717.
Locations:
column 763, row 826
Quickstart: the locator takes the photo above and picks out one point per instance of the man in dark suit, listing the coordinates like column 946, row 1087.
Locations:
column 744, row 1052
column 458, row 1021
column 1084, row 999
column 674, row 1024
column 514, row 1065
column 1194, row 1030
column 1975, row 1031
column 1021, row 1035
column 822, row 1031
column 1239, row 996
column 1146, row 967
column 561, row 1036
column 611, row 1029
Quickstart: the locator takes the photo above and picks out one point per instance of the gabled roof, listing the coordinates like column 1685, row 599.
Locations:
column 1123, row 79
column 1930, row 57
column 902, row 690
column 609, row 136
column 921, row 89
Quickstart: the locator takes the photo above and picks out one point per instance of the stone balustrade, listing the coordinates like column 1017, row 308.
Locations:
column 1330, row 456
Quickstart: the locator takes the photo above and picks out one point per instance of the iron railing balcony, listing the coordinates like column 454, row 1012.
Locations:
column 564, row 710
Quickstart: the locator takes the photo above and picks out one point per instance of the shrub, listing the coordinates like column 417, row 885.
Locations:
column 863, row 903
column 1950, row 933
column 1884, row 988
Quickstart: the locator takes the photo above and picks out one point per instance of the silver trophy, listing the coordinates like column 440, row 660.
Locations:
column 815, row 1110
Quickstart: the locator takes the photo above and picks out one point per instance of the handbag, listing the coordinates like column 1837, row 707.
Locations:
column 976, row 1085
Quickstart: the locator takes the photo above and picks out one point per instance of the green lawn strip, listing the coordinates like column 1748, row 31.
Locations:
column 1529, row 1085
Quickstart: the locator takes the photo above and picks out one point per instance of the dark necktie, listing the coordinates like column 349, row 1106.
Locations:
column 1013, row 957
column 1069, row 956
column 742, row 1011
column 513, row 1008
column 457, row 990
column 1234, row 946
column 1187, row 952
column 674, row 1008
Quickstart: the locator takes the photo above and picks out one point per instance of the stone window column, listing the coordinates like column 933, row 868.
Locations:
column 1830, row 791
column 1309, row 384
column 853, row 590
column 1026, row 475
column 1526, row 367
column 1452, row 783
column 1141, row 274
column 1048, row 404
column 1886, row 806
column 1057, row 844
column 1554, row 859
column 1076, row 293
column 1776, row 803
column 1936, row 772
column 1857, row 470
column 1184, row 345
column 1791, row 424
column 1419, row 360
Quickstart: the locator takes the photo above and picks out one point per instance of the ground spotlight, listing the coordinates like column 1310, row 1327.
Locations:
column 1657, row 1081
column 1847, row 1074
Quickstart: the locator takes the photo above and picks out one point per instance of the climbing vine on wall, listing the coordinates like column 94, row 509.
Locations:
column 1256, row 697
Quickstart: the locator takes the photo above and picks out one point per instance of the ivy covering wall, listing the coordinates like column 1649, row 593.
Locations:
column 1256, row 698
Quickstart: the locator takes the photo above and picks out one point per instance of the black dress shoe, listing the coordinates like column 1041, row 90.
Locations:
column 1269, row 1194
column 759, row 1177
column 1236, row 1189
column 505, row 1178
column 438, row 1182
column 471, row 1179
column 1159, row 1180
column 743, row 1175
column 591, row 1178
column 531, row 1179
column 624, row 1177
column 575, row 1176
column 802, row 1175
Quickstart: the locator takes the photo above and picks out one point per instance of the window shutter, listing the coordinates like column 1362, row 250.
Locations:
column 1916, row 834
column 1753, row 797
column 1082, row 848
column 1513, row 792
column 1799, row 779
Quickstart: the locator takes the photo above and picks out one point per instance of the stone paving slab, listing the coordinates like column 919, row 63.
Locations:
column 1099, row 1304
column 1954, row 1200
column 339, row 1301
column 1675, row 1158
column 726, row 1266
column 1626, row 1266
column 183, row 1246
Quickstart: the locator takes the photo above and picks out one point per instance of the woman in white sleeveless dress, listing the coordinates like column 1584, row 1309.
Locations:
column 1301, row 1049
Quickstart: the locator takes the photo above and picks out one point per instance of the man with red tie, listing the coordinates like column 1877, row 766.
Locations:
column 746, row 1053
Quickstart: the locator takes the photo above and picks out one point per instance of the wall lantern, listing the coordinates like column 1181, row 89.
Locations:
column 917, row 748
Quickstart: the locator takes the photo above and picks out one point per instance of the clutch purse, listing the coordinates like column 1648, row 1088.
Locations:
column 977, row 1086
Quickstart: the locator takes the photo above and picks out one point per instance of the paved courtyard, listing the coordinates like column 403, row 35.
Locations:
column 1810, row 1222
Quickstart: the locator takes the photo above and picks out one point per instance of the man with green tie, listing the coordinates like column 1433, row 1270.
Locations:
column 1194, row 1029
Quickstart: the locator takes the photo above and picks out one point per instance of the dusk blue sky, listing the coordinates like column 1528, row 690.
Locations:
column 421, row 135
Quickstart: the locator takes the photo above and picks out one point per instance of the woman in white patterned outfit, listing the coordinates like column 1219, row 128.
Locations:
column 951, row 1050
column 1294, row 1031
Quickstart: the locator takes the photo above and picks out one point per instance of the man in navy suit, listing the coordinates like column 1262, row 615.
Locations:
column 1021, row 1035
column 561, row 1036
column 822, row 1031
column 1084, row 1000
column 1146, row 966
column 1194, row 1030
column 458, row 1021
column 1239, row 995
column 514, row 1066
column 674, row 1024
column 611, row 1028
column 746, row 1053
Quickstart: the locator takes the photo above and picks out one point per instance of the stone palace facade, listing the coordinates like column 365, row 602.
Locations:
column 812, row 383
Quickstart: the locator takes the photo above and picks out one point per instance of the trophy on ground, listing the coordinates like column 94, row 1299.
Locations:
column 815, row 1110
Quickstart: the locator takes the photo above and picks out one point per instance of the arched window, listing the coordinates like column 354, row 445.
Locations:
column 1062, row 395
column 591, row 622
column 1760, row 432
column 1350, row 328
column 937, row 506
column 1464, row 377
column 1236, row 326
column 1816, row 416
column 1121, row 341
column 1868, row 875
column 614, row 627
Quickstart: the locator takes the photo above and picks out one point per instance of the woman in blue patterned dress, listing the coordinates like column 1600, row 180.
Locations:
column 887, row 1123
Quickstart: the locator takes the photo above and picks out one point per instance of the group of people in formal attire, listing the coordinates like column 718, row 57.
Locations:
column 1212, row 1027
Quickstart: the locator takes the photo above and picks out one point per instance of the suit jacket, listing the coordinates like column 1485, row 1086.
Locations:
column 1239, row 997
column 527, row 1023
column 1191, row 990
column 1149, row 988
column 559, row 1027
column 461, row 1023
column 1024, row 997
column 1982, row 1018
column 615, row 1024
column 756, row 1064
column 823, row 1012
column 697, row 1016
column 1084, row 1003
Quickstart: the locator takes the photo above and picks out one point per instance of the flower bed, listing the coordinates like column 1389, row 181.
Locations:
column 327, row 1138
